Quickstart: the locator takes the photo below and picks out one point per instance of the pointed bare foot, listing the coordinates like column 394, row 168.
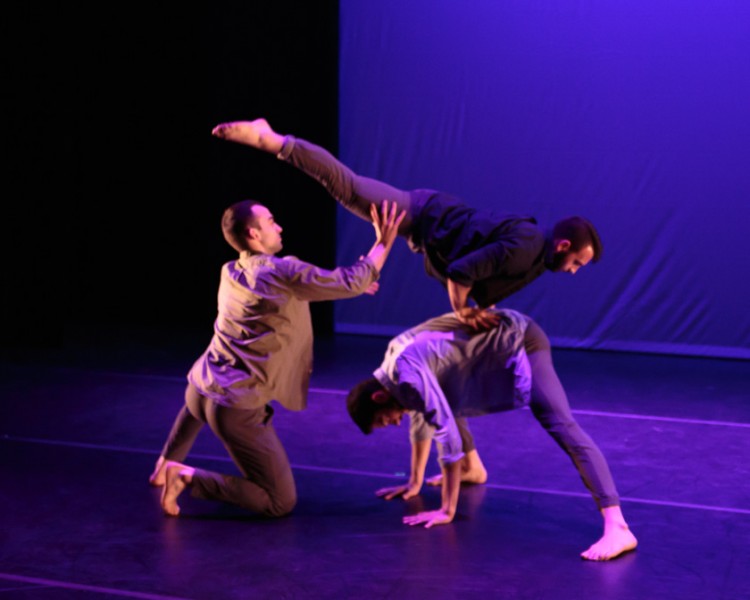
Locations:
column 158, row 477
column 614, row 542
column 257, row 133
column 178, row 477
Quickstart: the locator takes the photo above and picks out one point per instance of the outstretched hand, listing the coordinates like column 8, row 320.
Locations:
column 406, row 491
column 429, row 518
column 386, row 222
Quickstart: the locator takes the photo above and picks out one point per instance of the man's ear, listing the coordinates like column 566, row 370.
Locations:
column 253, row 233
column 380, row 397
column 562, row 245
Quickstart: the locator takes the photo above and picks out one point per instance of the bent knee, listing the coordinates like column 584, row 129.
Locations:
column 282, row 506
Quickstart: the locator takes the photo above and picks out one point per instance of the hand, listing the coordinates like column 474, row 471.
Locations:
column 372, row 288
column 429, row 518
column 479, row 319
column 386, row 223
column 406, row 491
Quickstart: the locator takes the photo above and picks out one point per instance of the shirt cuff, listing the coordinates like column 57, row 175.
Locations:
column 449, row 459
column 459, row 277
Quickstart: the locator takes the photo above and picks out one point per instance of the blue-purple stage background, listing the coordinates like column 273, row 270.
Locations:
column 635, row 115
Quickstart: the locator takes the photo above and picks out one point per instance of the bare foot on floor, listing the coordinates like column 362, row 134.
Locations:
column 614, row 542
column 472, row 470
column 471, row 477
column 178, row 477
column 158, row 477
column 257, row 133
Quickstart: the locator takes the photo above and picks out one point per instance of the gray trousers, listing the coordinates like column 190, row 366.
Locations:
column 266, row 486
column 354, row 192
column 550, row 407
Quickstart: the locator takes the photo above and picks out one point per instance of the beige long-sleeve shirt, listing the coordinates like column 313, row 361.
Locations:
column 262, row 346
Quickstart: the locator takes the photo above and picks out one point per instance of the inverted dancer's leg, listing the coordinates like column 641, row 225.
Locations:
column 257, row 134
column 354, row 192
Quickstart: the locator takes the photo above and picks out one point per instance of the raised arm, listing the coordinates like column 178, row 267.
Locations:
column 315, row 284
column 386, row 223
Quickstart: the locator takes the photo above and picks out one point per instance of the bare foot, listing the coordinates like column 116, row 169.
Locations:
column 615, row 541
column 475, row 476
column 472, row 470
column 178, row 477
column 257, row 133
column 435, row 480
column 157, row 478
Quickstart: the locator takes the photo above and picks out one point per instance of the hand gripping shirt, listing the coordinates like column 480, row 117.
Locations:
column 262, row 346
column 442, row 369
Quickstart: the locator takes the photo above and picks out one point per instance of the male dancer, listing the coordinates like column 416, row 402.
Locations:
column 477, row 255
column 261, row 350
column 443, row 369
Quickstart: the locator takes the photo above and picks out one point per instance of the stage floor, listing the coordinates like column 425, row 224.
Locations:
column 81, row 429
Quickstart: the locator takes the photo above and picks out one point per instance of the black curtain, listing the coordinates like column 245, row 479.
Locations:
column 115, row 188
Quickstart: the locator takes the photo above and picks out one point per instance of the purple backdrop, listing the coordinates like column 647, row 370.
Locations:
column 633, row 114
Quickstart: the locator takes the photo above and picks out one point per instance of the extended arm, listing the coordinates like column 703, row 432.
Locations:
column 314, row 284
column 417, row 379
column 386, row 223
column 451, row 487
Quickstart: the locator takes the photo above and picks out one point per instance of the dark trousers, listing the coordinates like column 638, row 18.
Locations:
column 266, row 485
column 354, row 192
column 550, row 407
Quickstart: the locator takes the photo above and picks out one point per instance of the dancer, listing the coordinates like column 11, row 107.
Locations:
column 261, row 350
column 443, row 369
column 475, row 254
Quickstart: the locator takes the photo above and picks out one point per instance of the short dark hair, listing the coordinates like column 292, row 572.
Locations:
column 361, row 406
column 235, row 221
column 581, row 233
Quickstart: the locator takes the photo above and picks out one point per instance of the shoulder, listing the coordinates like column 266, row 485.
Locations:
column 272, row 262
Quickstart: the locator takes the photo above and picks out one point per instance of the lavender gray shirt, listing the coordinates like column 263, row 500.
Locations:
column 262, row 346
column 442, row 369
